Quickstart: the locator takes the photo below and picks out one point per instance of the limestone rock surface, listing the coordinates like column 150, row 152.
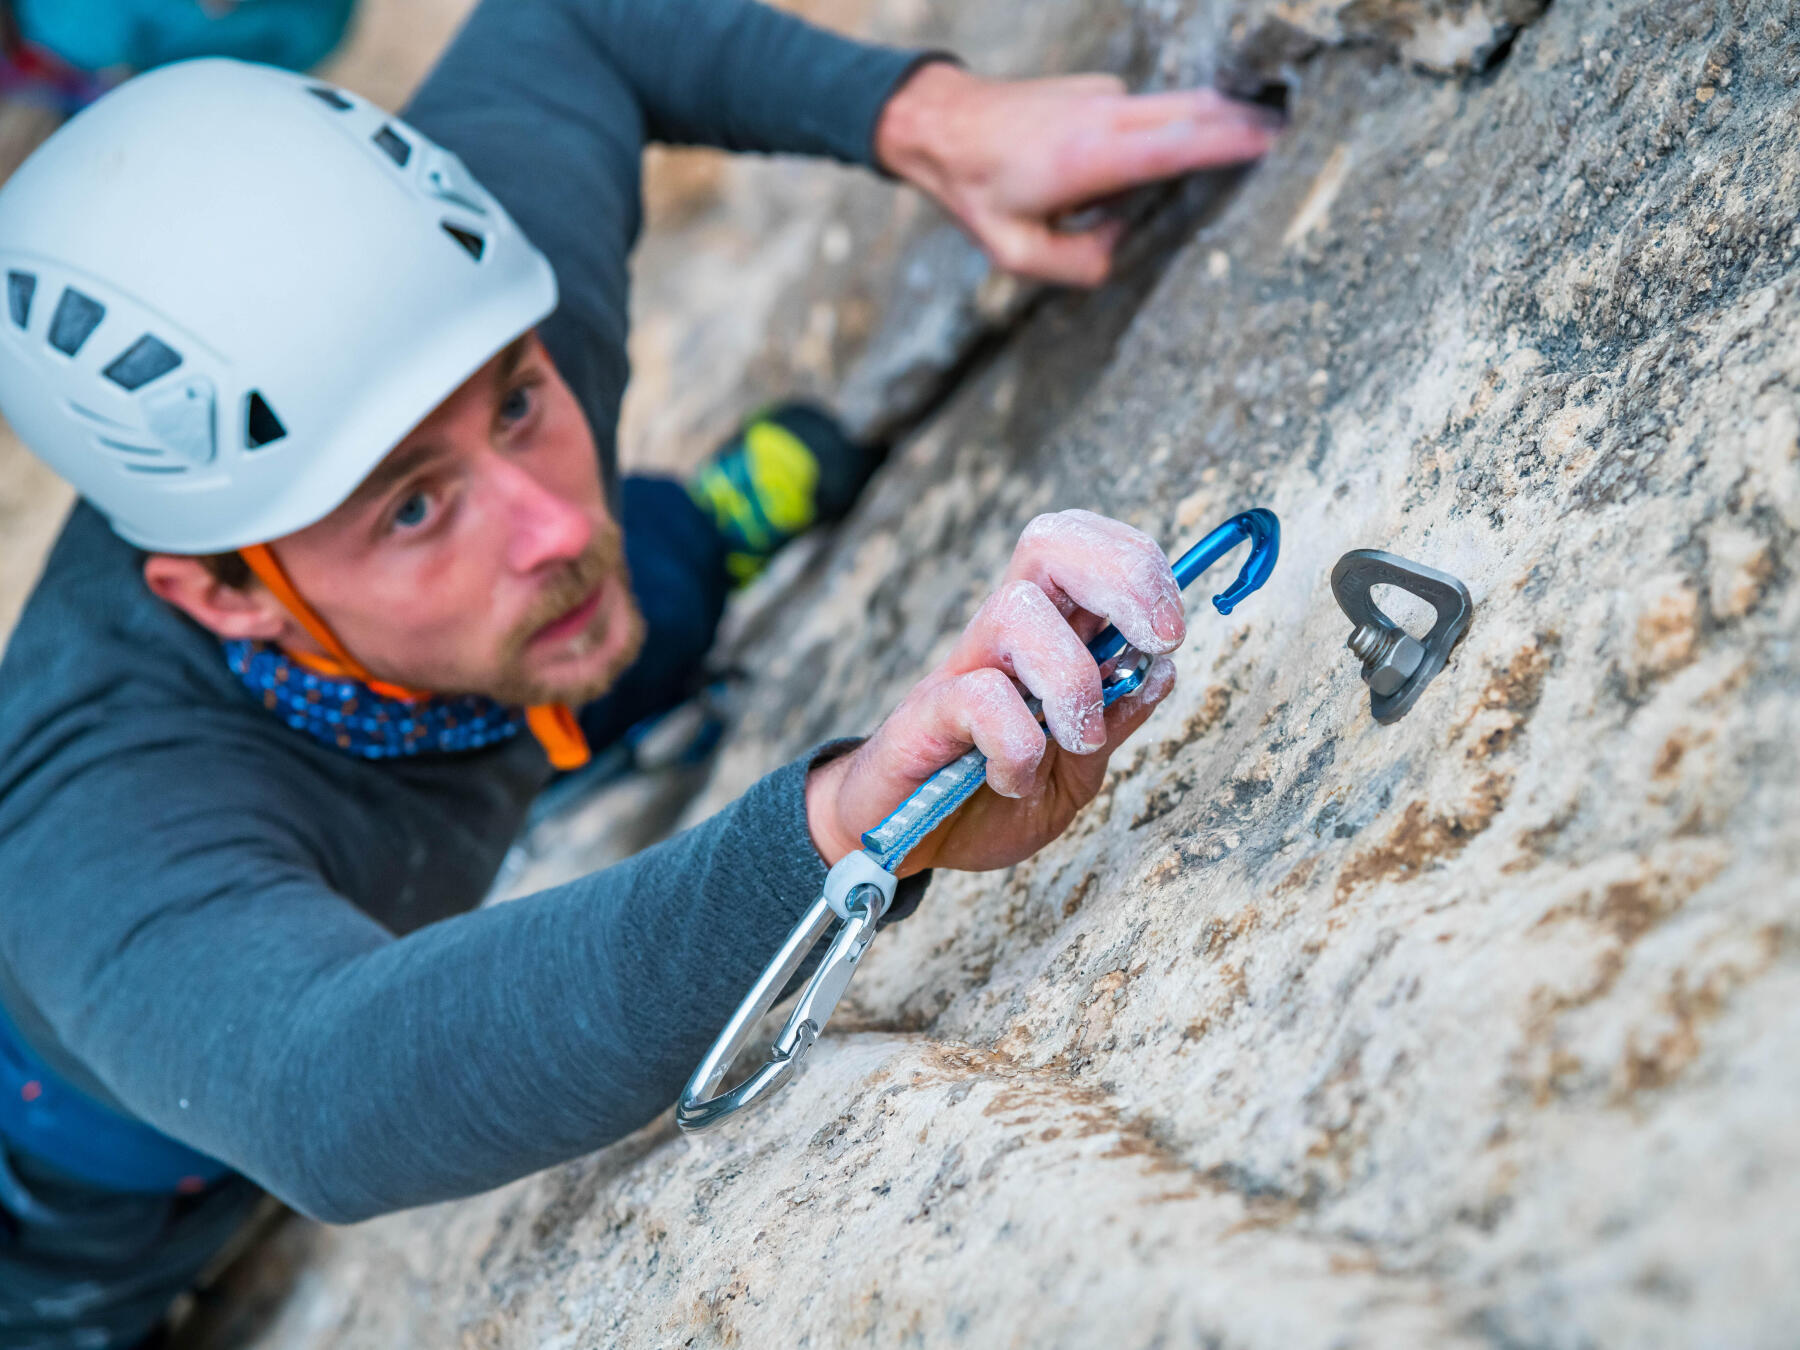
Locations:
column 1475, row 1029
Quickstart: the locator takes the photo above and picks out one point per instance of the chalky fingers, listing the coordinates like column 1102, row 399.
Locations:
column 1019, row 631
column 984, row 709
column 1086, row 561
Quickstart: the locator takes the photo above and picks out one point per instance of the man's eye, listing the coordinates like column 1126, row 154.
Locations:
column 516, row 404
column 413, row 511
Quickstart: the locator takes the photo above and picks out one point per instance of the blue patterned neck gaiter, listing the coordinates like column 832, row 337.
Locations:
column 347, row 715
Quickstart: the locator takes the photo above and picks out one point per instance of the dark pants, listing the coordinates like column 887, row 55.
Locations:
column 677, row 561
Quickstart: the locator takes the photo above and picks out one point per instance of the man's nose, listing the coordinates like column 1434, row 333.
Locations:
column 544, row 529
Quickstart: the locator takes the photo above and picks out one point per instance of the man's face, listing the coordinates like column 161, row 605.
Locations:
column 479, row 557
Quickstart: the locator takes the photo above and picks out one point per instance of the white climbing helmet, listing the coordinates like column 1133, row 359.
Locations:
column 232, row 290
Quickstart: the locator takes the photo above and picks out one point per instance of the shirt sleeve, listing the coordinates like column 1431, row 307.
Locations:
column 220, row 991
column 727, row 73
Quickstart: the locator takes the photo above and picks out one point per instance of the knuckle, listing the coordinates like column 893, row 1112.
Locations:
column 1141, row 540
column 1060, row 530
column 1018, row 608
column 989, row 612
column 1027, row 601
column 989, row 686
column 1010, row 254
column 1153, row 575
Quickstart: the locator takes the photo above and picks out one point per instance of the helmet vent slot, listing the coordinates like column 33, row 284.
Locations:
column 20, row 287
column 261, row 425
column 126, row 448
column 330, row 97
column 474, row 243
column 76, row 318
column 394, row 145
column 143, row 361
column 92, row 416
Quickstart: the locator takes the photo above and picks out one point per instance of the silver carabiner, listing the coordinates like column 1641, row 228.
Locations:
column 858, row 891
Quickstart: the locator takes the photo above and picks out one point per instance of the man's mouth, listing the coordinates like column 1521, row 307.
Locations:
column 574, row 620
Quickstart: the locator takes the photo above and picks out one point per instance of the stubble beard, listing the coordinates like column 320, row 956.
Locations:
column 516, row 683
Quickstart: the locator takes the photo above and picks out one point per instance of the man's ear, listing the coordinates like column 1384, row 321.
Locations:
column 250, row 612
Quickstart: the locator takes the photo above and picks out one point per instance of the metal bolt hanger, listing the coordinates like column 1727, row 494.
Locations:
column 1395, row 665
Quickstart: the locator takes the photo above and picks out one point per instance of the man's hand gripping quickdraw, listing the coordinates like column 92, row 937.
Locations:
column 860, row 887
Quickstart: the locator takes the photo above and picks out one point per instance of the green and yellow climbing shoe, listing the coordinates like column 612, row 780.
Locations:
column 789, row 469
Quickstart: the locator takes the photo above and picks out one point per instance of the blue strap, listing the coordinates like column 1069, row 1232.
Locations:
column 44, row 1117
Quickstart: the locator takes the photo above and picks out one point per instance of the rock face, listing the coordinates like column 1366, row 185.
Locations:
column 1473, row 1029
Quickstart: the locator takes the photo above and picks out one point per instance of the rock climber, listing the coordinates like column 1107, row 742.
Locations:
column 354, row 573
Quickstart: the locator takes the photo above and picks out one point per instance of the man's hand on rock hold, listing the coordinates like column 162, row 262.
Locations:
column 1008, row 158
column 1071, row 574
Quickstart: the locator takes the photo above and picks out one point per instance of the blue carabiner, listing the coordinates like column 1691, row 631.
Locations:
column 1263, row 531
column 933, row 801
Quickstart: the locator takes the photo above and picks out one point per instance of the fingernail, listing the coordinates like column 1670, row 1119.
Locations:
column 1253, row 115
column 1093, row 728
column 1168, row 621
column 1159, row 681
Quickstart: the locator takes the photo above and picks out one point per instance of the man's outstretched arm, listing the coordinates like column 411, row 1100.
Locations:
column 198, row 964
column 193, row 959
column 740, row 75
column 590, row 77
column 1007, row 158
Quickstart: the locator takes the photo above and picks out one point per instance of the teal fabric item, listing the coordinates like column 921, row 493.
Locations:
column 46, row 1118
column 139, row 34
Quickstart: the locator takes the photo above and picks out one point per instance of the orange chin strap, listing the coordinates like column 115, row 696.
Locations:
column 553, row 724
column 262, row 561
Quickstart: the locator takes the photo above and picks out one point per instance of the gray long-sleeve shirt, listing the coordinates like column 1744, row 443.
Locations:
column 263, row 946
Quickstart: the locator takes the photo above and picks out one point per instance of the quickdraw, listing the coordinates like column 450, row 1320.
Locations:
column 859, row 889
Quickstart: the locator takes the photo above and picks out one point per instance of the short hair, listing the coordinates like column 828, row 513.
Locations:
column 228, row 569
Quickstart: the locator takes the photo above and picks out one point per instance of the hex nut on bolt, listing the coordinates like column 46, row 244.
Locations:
column 1395, row 665
column 1399, row 656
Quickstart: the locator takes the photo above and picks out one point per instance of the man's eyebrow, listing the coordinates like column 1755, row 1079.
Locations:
column 506, row 365
column 396, row 468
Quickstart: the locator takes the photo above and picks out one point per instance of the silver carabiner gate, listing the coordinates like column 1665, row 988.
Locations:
column 858, row 891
